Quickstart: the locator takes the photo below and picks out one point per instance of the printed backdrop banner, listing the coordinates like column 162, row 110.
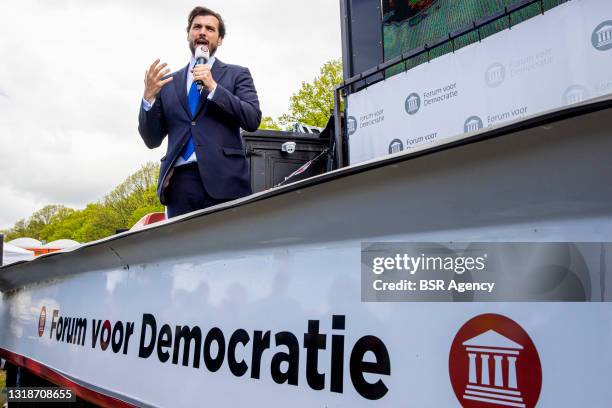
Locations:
column 556, row 59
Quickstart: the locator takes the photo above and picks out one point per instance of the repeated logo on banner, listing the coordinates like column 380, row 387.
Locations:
column 413, row 103
column 495, row 75
column 494, row 363
column 516, row 73
column 472, row 124
column 575, row 94
column 396, row 146
column 602, row 36
column 351, row 124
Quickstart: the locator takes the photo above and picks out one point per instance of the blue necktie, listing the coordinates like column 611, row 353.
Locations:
column 194, row 98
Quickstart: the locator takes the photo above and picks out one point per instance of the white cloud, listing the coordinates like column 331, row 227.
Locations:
column 71, row 80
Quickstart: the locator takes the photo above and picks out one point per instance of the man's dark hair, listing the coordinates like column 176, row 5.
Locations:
column 203, row 11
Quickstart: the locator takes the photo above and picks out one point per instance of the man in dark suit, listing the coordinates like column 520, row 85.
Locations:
column 205, row 163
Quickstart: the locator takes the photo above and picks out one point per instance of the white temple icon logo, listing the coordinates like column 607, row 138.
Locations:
column 412, row 104
column 497, row 386
column 602, row 36
column 495, row 75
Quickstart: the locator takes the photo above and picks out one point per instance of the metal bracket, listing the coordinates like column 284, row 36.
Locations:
column 288, row 147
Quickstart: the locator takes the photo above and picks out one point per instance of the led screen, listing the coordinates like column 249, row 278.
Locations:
column 409, row 24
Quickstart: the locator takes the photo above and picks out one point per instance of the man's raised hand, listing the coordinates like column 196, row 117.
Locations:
column 154, row 80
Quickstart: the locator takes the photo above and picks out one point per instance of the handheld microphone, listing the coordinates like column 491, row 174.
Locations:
column 202, row 55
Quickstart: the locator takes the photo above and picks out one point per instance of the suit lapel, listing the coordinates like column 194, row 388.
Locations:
column 218, row 72
column 180, row 86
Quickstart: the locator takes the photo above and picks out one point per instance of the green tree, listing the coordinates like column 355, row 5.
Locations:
column 17, row 231
column 138, row 190
column 97, row 221
column 121, row 208
column 314, row 102
column 47, row 232
column 34, row 226
column 267, row 122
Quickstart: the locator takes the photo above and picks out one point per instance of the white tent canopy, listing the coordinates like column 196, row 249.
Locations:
column 26, row 243
column 12, row 253
column 61, row 244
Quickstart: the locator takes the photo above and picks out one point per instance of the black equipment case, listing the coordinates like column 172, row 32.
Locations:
column 274, row 155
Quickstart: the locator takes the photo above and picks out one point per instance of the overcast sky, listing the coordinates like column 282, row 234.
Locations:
column 71, row 80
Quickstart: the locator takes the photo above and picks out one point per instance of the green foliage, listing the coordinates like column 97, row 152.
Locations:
column 3, row 385
column 267, row 122
column 314, row 102
column 37, row 222
column 137, row 191
column 18, row 230
column 121, row 208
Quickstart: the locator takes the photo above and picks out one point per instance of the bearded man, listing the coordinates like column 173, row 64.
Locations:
column 205, row 162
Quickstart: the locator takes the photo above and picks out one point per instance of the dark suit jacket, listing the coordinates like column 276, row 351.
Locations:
column 215, row 128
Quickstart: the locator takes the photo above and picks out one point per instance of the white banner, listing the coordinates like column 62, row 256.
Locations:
column 206, row 333
column 560, row 58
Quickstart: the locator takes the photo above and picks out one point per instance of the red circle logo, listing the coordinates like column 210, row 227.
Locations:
column 41, row 321
column 493, row 363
